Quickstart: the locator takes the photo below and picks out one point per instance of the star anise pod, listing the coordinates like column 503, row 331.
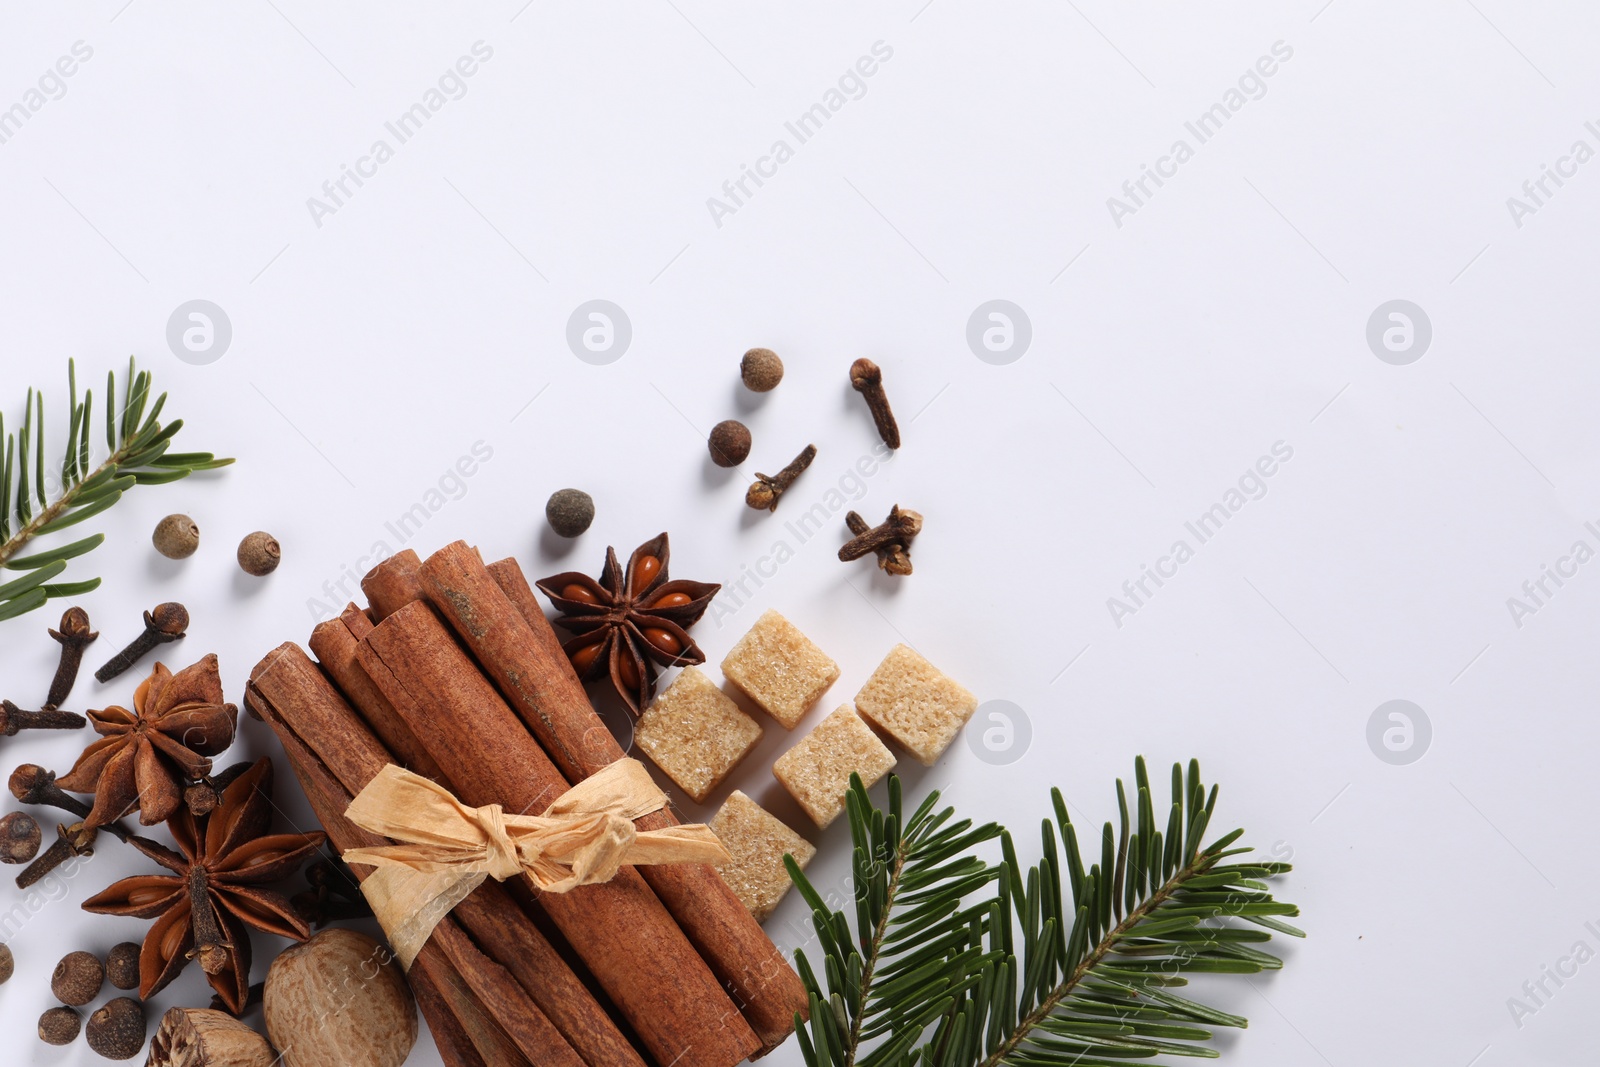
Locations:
column 146, row 756
column 214, row 891
column 630, row 622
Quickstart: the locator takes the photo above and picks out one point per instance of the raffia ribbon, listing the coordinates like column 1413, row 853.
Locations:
column 445, row 849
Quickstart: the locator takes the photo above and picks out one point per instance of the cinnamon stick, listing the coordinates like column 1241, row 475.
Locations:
column 493, row 917
column 479, row 1000
column 392, row 584
column 620, row 929
column 334, row 644
column 495, row 613
column 334, row 756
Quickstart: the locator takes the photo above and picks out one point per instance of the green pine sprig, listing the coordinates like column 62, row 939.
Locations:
column 957, row 962
column 137, row 453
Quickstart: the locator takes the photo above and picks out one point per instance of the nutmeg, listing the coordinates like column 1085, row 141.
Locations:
column 8, row 964
column 339, row 1000
column 198, row 1037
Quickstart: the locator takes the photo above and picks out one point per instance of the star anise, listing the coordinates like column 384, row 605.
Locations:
column 629, row 623
column 149, row 754
column 214, row 891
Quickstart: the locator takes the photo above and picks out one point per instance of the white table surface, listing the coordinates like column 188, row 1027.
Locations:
column 377, row 340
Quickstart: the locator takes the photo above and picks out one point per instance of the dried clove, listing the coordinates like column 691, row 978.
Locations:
column 32, row 784
column 891, row 540
column 167, row 623
column 203, row 796
column 893, row 558
column 74, row 636
column 14, row 719
column 74, row 840
column 866, row 377
column 766, row 490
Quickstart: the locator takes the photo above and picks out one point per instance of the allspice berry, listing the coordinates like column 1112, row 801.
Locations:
column 569, row 512
column 258, row 554
column 116, row 1029
column 8, row 964
column 122, row 965
column 59, row 1026
column 729, row 443
column 19, row 838
column 78, row 978
column 761, row 370
column 176, row 537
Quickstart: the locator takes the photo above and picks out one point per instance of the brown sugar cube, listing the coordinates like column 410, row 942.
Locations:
column 696, row 734
column 913, row 702
column 757, row 841
column 779, row 668
column 816, row 772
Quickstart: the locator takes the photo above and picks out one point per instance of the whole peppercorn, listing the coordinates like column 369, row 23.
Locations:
column 258, row 554
column 122, row 965
column 176, row 537
column 19, row 838
column 78, row 978
column 8, row 964
column 116, row 1029
column 59, row 1026
column 569, row 512
column 729, row 443
column 761, row 370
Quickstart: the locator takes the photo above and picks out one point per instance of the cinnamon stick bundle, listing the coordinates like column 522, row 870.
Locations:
column 462, row 994
column 490, row 913
column 620, row 929
column 332, row 755
column 495, row 613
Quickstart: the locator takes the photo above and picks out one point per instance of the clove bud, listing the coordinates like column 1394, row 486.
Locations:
column 167, row 623
column 13, row 719
column 74, row 636
column 866, row 377
column 764, row 493
column 203, row 796
column 74, row 840
column 891, row 540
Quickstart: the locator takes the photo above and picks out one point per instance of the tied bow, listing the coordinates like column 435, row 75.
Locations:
column 444, row 849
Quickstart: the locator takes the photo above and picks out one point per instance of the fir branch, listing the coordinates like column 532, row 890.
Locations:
column 1056, row 964
column 137, row 454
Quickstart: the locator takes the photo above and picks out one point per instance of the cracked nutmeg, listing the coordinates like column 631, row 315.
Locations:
column 216, row 889
column 630, row 622
column 146, row 756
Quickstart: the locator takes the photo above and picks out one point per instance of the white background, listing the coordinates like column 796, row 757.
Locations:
column 1228, row 313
